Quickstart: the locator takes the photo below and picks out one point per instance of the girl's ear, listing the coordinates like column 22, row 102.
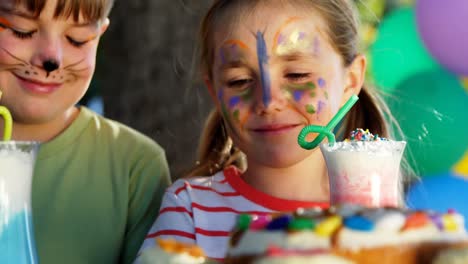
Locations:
column 355, row 77
column 104, row 25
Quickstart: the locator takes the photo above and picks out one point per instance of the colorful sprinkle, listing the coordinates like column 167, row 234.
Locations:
column 359, row 223
column 360, row 134
column 301, row 224
column 437, row 220
column 450, row 223
column 279, row 223
column 260, row 221
column 328, row 226
column 416, row 220
column 244, row 221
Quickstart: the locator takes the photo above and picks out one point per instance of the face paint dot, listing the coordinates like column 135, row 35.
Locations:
column 321, row 106
column 234, row 101
column 313, row 94
column 326, row 95
column 321, row 83
column 297, row 95
column 280, row 39
column 310, row 109
column 311, row 85
column 236, row 114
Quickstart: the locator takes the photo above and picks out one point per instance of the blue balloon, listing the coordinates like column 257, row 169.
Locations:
column 440, row 193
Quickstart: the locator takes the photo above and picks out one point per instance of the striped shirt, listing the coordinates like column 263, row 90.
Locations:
column 204, row 210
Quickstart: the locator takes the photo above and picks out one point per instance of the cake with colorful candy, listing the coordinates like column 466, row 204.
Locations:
column 349, row 234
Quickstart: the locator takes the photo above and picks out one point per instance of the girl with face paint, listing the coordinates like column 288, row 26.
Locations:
column 272, row 67
column 96, row 182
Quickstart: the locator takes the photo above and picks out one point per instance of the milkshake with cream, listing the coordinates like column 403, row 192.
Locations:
column 16, row 228
column 364, row 170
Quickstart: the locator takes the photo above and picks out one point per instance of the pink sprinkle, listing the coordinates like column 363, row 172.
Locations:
column 259, row 222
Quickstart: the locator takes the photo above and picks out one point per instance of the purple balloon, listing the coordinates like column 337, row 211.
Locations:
column 443, row 26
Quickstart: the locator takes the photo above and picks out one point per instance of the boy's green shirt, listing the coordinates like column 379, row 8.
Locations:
column 97, row 189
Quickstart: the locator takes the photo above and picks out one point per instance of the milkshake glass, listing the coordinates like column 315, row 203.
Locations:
column 364, row 172
column 17, row 243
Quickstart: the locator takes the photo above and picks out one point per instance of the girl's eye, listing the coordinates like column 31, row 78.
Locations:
column 75, row 42
column 23, row 35
column 240, row 83
column 297, row 76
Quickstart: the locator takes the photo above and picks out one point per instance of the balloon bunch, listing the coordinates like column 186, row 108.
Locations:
column 419, row 60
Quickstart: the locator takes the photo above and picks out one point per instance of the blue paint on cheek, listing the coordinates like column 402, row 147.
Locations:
column 321, row 82
column 298, row 95
column 262, row 54
column 320, row 107
column 234, row 101
column 221, row 95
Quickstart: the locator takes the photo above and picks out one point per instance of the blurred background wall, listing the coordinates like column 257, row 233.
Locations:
column 418, row 54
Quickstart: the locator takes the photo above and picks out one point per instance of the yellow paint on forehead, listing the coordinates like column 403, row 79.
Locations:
column 294, row 42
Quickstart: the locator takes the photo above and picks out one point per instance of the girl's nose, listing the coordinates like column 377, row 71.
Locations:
column 269, row 99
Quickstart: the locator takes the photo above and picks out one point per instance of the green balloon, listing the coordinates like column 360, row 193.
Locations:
column 398, row 51
column 432, row 110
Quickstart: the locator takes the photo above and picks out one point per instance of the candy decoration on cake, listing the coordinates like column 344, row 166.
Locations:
column 354, row 233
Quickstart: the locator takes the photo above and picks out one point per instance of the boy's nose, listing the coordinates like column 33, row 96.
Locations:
column 50, row 65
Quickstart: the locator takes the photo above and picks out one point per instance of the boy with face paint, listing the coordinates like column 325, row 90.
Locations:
column 272, row 67
column 96, row 182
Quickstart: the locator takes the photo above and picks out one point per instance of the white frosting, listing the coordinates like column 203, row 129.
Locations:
column 314, row 259
column 157, row 255
column 388, row 230
column 16, row 168
column 257, row 242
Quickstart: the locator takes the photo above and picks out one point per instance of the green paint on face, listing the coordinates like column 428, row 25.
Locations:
column 312, row 94
column 302, row 87
column 246, row 95
column 311, row 85
column 236, row 115
column 310, row 109
column 326, row 95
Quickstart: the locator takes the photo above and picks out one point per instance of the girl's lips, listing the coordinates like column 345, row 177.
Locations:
column 38, row 87
column 274, row 128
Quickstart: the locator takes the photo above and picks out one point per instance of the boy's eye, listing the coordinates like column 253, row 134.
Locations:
column 240, row 83
column 75, row 42
column 297, row 76
column 23, row 35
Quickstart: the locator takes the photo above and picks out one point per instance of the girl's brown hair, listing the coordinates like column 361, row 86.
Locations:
column 91, row 10
column 216, row 150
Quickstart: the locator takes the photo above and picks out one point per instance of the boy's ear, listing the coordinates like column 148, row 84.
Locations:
column 104, row 25
column 355, row 77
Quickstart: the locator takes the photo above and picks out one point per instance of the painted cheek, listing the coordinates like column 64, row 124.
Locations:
column 239, row 109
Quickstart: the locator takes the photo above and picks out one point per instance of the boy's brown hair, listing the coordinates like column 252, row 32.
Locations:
column 91, row 10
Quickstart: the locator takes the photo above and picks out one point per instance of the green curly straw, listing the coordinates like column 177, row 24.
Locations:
column 325, row 131
column 8, row 121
